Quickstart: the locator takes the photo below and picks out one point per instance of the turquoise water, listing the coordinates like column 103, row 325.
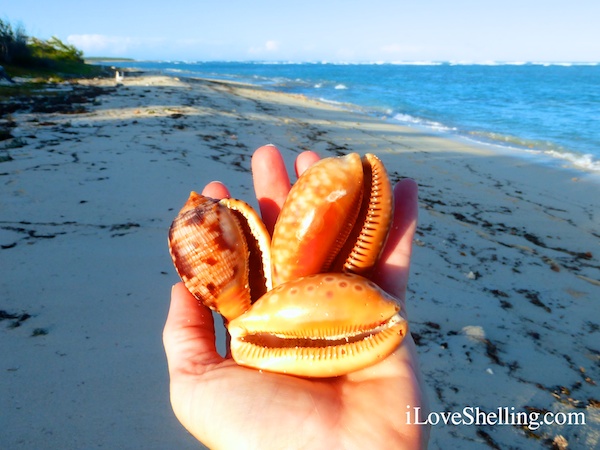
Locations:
column 541, row 109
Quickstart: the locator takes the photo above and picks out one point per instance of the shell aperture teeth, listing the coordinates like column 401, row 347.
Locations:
column 279, row 340
column 318, row 326
column 258, row 242
column 369, row 235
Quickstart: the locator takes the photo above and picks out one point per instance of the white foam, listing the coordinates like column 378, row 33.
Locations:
column 416, row 63
column 407, row 118
column 585, row 161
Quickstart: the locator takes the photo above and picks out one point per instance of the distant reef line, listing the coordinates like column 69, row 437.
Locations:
column 107, row 59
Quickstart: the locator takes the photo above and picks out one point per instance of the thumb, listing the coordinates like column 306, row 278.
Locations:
column 189, row 335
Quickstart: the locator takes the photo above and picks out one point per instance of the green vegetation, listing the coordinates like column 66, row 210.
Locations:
column 53, row 50
column 43, row 63
column 21, row 55
column 13, row 44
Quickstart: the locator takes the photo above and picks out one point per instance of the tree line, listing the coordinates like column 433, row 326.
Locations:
column 19, row 49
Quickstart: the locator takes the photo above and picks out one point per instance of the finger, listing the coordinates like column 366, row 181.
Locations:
column 216, row 189
column 392, row 270
column 189, row 334
column 305, row 160
column 271, row 183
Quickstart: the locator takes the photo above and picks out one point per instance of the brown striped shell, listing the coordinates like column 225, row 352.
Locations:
column 214, row 245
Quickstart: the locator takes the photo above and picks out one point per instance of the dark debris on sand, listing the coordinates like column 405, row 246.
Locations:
column 48, row 98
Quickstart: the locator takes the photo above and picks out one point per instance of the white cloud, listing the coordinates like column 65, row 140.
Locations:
column 271, row 46
column 97, row 44
column 268, row 47
column 102, row 45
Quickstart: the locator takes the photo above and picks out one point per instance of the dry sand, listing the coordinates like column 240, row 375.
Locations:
column 503, row 299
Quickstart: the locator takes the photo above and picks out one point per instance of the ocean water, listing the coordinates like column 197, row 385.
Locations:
column 546, row 110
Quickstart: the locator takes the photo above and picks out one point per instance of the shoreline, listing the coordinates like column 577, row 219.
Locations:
column 502, row 300
column 567, row 160
column 551, row 158
column 554, row 154
column 559, row 161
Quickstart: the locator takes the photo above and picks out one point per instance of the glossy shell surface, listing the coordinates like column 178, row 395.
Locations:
column 322, row 325
column 211, row 251
column 317, row 217
column 293, row 304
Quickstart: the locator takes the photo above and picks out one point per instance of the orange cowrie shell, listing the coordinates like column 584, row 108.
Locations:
column 336, row 218
column 322, row 325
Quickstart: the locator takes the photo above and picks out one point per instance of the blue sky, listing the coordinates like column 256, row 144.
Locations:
column 368, row 30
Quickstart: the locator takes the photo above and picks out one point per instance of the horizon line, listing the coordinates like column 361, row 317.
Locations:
column 349, row 62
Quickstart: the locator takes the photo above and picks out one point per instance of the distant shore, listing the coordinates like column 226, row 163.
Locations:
column 504, row 284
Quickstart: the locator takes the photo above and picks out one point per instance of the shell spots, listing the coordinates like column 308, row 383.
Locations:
column 340, row 327
column 193, row 218
column 372, row 285
column 210, row 254
column 212, row 288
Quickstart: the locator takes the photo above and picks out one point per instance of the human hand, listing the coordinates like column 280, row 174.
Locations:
column 229, row 406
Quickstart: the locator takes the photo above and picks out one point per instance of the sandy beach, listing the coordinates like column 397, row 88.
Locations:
column 505, row 283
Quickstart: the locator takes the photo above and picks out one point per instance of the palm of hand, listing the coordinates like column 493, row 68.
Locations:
column 228, row 406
